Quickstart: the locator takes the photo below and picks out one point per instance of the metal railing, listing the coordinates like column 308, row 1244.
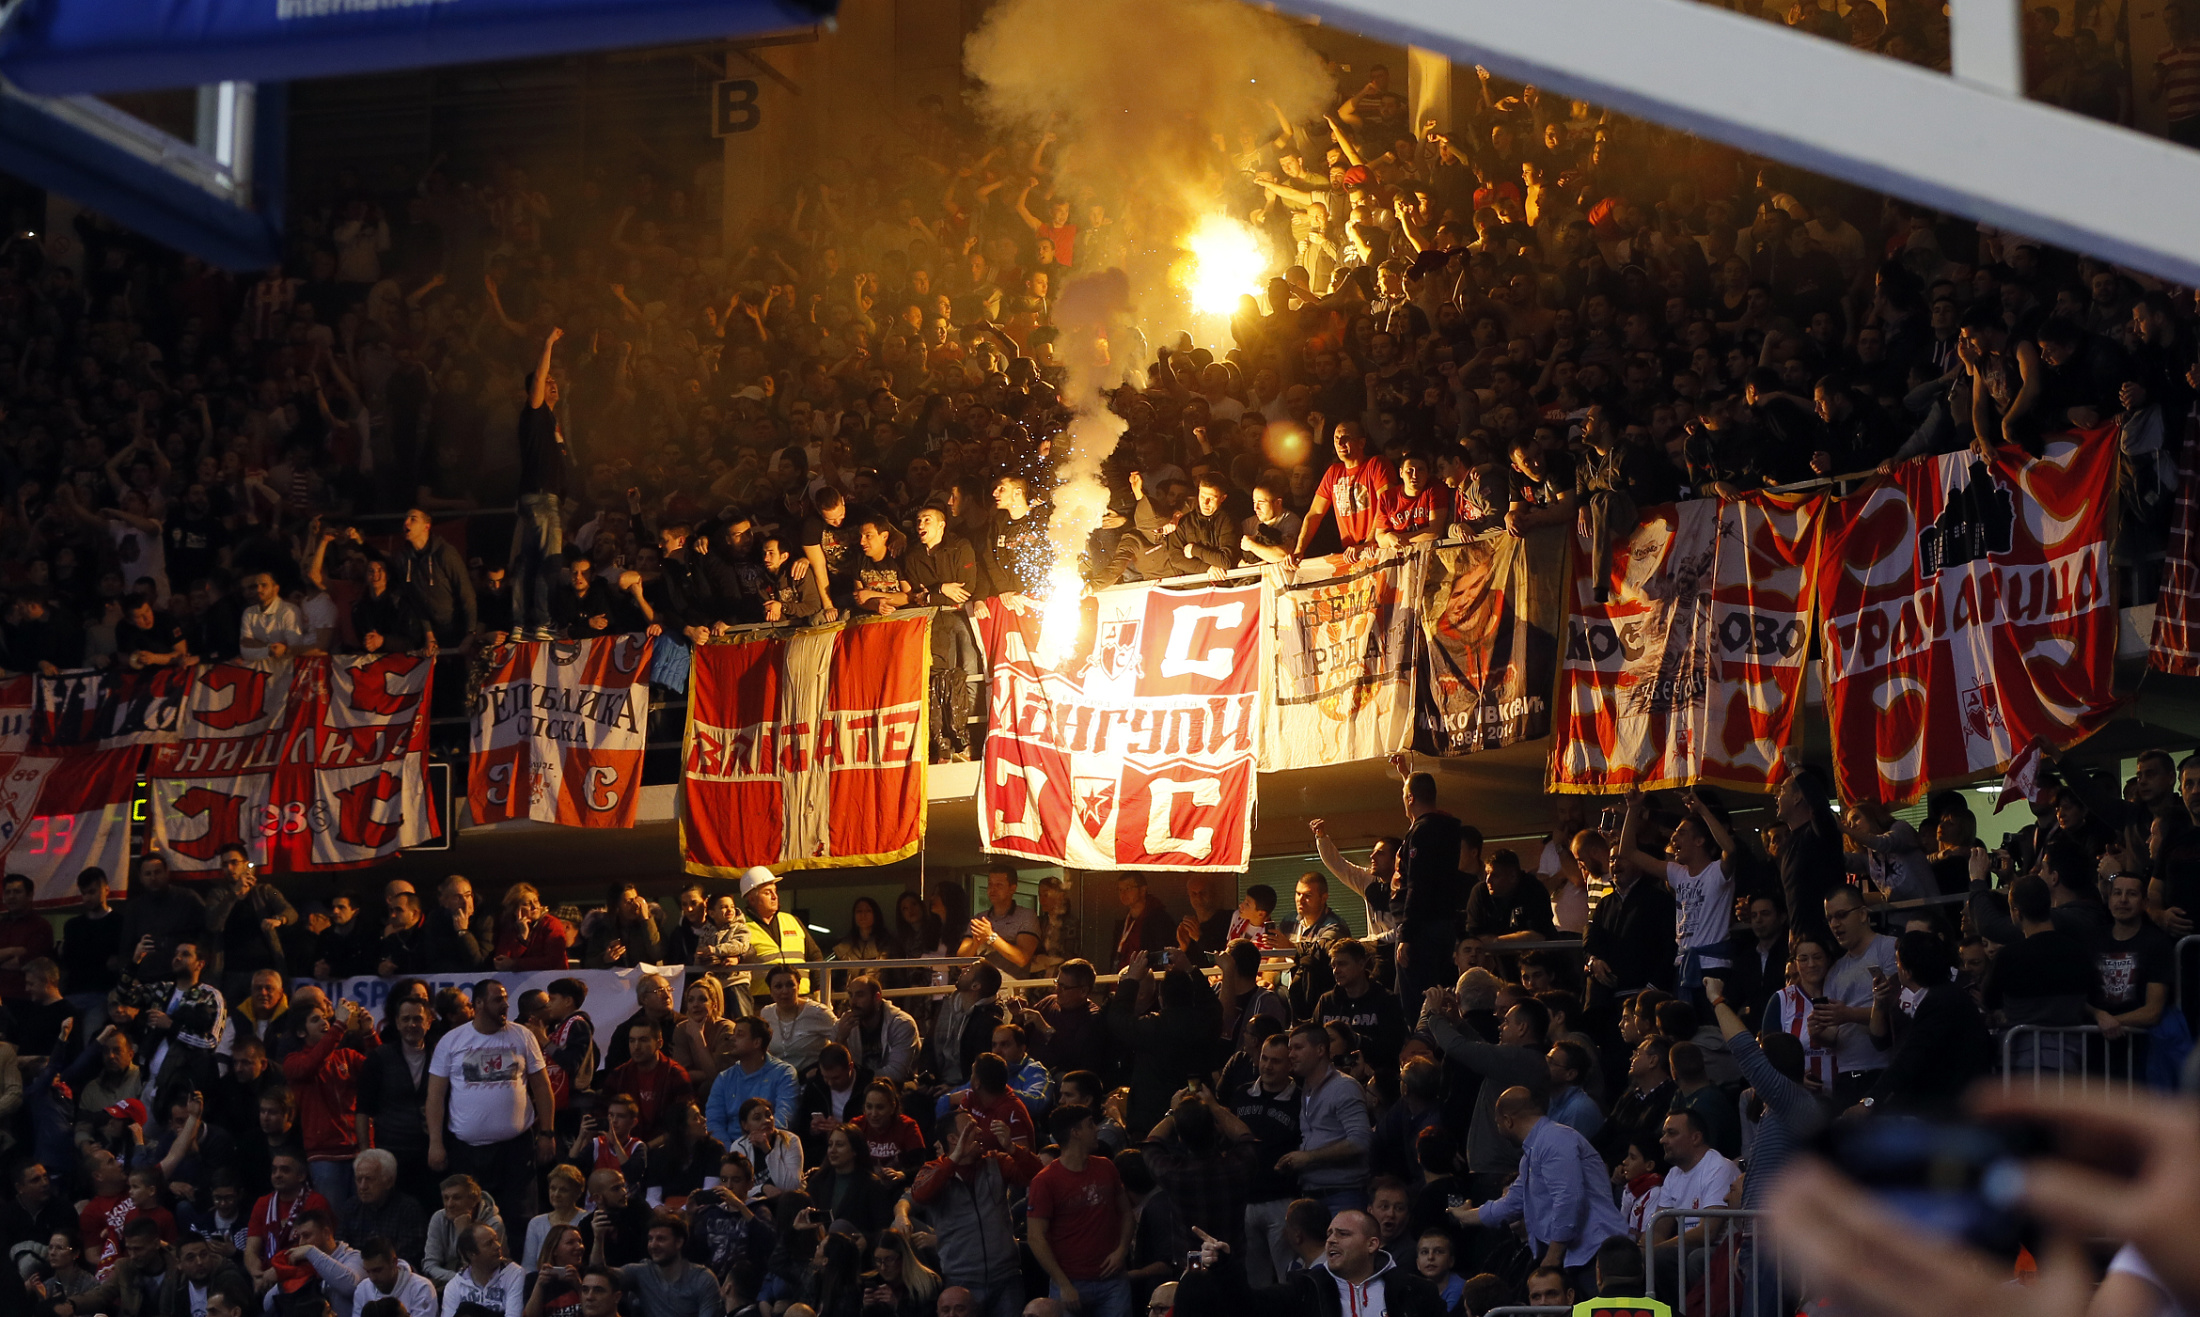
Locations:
column 2178, row 958
column 1752, row 1273
column 2065, row 1056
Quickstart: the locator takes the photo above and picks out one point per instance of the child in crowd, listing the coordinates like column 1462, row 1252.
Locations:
column 1434, row 1261
column 1254, row 912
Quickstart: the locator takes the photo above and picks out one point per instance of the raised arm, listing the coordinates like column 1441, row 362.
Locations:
column 542, row 368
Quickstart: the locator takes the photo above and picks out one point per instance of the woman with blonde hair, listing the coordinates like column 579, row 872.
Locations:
column 567, row 1188
column 529, row 937
column 704, row 1041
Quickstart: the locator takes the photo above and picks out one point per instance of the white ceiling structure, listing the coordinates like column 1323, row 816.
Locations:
column 1968, row 144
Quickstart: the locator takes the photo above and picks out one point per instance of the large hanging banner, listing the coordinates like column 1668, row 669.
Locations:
column 63, row 808
column 1691, row 668
column 214, row 785
column 1491, row 608
column 1137, row 750
column 1968, row 613
column 1345, row 634
column 370, row 762
column 311, row 764
column 560, row 733
column 807, row 751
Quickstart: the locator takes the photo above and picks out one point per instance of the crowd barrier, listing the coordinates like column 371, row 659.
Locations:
column 2067, row 1056
column 1736, row 1261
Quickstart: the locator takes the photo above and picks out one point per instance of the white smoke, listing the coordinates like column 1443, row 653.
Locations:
column 1148, row 102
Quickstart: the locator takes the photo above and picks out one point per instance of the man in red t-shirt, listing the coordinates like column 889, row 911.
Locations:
column 268, row 1233
column 1081, row 1220
column 1352, row 489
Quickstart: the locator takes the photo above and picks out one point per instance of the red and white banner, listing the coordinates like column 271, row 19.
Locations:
column 214, row 785
column 1968, row 612
column 1692, row 668
column 370, row 762
column 807, row 751
column 1136, row 751
column 1345, row 633
column 311, row 764
column 62, row 810
column 560, row 734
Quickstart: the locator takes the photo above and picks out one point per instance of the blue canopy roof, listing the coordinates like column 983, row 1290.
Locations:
column 59, row 47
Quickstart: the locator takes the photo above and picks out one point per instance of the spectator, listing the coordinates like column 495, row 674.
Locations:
column 655, row 1082
column 464, row 1207
column 1179, row 1038
column 1334, row 1133
column 1865, row 958
column 847, row 1187
column 754, row 1073
column 490, row 1113
column 1081, row 1224
column 800, row 1029
column 773, row 1153
column 486, row 1278
column 966, row 1191
column 529, row 937
column 1942, row 1046
column 381, row 1211
column 879, row 1036
column 1560, row 1194
column 703, row 1043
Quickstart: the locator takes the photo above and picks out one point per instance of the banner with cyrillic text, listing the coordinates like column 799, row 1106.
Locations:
column 1134, row 747
column 1685, row 647
column 1968, row 612
column 560, row 733
column 1491, row 610
column 807, row 751
column 1344, row 632
column 316, row 763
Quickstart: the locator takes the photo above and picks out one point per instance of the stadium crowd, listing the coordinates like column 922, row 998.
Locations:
column 1501, row 1093
column 1547, row 312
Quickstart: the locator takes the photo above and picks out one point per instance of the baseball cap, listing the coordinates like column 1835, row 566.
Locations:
column 757, row 876
column 131, row 1110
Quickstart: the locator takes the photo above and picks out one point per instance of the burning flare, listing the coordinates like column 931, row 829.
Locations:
column 1226, row 264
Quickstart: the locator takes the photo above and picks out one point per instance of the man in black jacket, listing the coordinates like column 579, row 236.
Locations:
column 1355, row 1276
column 1427, row 898
column 1941, row 1049
column 1631, row 935
column 943, row 569
column 832, row 1098
column 435, row 575
column 393, row 1096
column 1205, row 535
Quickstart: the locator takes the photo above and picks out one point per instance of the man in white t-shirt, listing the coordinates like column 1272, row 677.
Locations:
column 1698, row 1175
column 487, row 1085
column 1703, row 894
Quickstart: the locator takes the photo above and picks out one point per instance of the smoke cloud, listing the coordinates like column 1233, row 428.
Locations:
column 1149, row 103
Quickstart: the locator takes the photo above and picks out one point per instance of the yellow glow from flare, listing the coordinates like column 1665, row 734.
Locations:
column 1060, row 613
column 1226, row 265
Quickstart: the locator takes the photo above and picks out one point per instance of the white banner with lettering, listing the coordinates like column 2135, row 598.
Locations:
column 611, row 992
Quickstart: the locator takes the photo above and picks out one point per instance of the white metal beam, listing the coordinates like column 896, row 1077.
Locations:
column 1819, row 105
column 1986, row 44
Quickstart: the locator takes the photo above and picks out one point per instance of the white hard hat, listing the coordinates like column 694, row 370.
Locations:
column 757, row 876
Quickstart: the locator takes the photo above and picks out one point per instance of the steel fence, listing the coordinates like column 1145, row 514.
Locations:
column 2068, row 1057
column 1734, row 1258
